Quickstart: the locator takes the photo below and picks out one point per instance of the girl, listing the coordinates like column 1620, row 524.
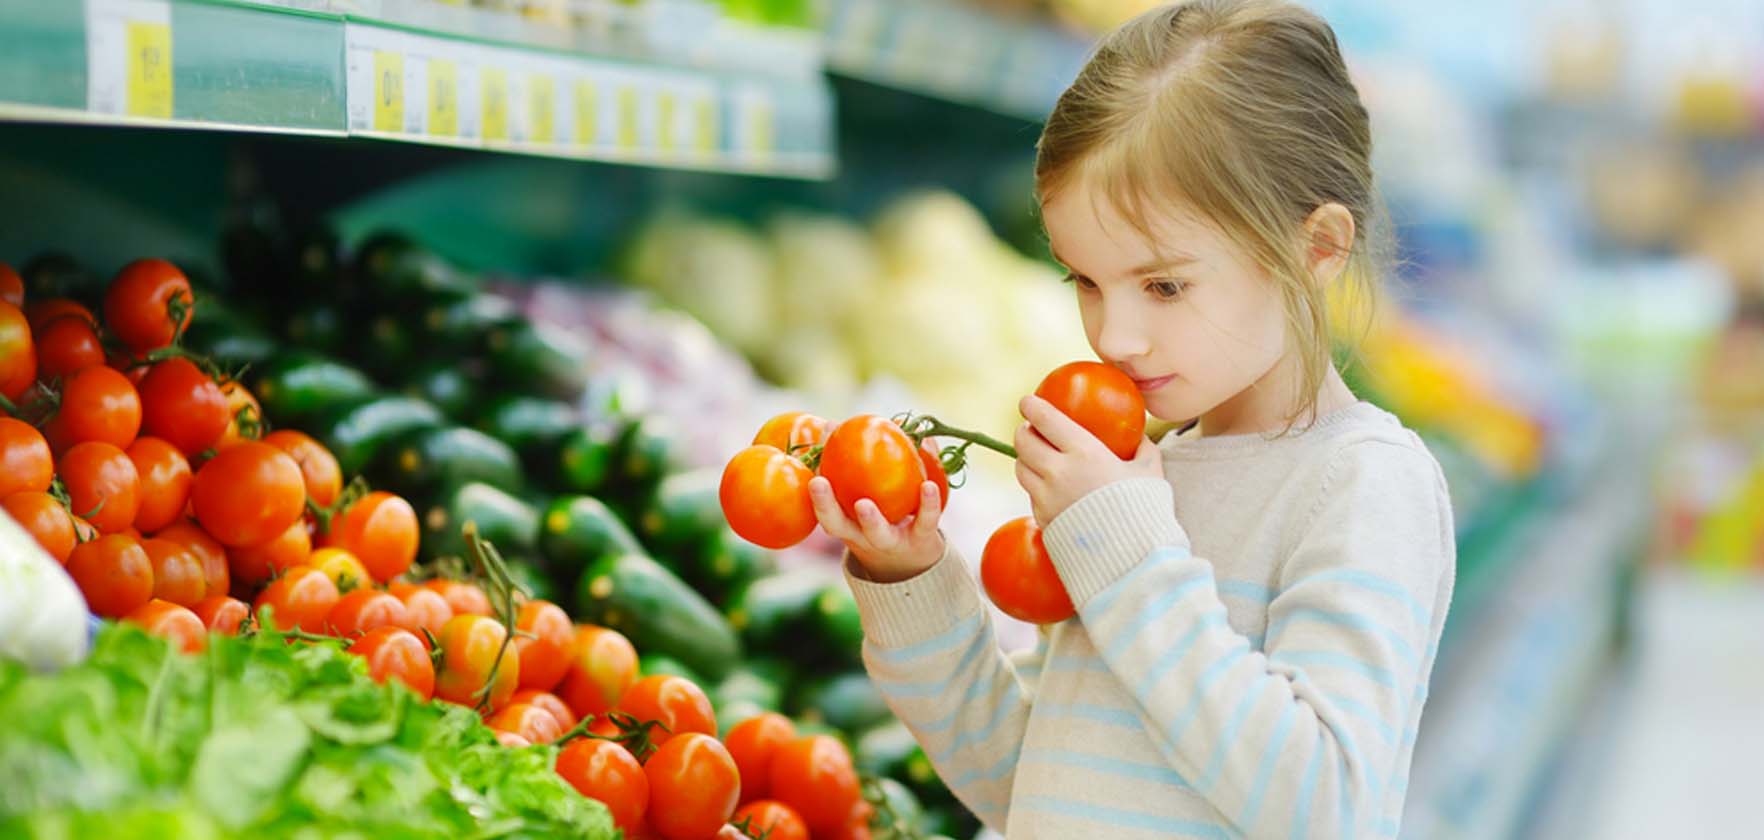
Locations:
column 1259, row 598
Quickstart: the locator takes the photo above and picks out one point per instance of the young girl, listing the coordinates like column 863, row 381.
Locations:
column 1260, row 597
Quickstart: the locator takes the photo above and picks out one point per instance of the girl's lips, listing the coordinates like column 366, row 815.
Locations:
column 1146, row 385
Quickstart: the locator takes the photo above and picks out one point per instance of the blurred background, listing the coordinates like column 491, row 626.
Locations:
column 735, row 208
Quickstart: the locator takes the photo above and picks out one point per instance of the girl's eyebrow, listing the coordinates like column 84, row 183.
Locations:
column 1155, row 266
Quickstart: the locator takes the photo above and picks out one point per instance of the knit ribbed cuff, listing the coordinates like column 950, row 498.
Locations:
column 919, row 608
column 1110, row 531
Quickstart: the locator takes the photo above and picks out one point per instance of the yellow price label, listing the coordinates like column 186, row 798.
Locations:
column 628, row 109
column 665, row 108
column 149, row 91
column 541, row 109
column 388, row 91
column 495, row 104
column 759, row 126
column 443, row 98
column 704, row 134
column 587, row 113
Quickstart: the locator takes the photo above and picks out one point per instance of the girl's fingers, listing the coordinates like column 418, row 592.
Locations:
column 1033, row 449
column 1030, row 480
column 930, row 510
column 875, row 528
column 827, row 509
column 1061, row 431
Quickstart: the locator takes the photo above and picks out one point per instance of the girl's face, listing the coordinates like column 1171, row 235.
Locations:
column 1197, row 324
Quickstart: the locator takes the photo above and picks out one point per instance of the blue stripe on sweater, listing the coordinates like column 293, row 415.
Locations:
column 1119, row 818
column 1265, row 770
column 1149, row 613
column 1372, row 583
column 1301, row 816
column 1176, row 653
column 947, row 640
column 1013, row 696
column 976, row 736
column 1153, row 561
column 1350, row 620
column 933, row 688
column 1160, row 773
column 1334, row 659
column 1227, row 736
column 1107, row 715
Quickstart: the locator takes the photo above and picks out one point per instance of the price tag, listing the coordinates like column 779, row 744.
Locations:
column 759, row 134
column 587, row 112
column 443, row 98
column 495, row 88
column 666, row 107
column 630, row 116
column 129, row 70
column 541, row 109
column 388, row 91
column 704, row 125
column 150, row 70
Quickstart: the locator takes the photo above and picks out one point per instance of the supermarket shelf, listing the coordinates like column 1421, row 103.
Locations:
column 278, row 68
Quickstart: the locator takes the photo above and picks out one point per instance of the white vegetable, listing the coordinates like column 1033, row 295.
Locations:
column 43, row 618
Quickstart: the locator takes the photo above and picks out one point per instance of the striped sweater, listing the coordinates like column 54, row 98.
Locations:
column 1250, row 655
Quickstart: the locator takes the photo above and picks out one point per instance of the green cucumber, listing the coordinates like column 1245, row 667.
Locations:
column 357, row 432
column 904, row 806
column 538, row 357
column 532, row 425
column 733, row 713
column 578, row 530
column 461, row 323
column 444, row 383
column 296, row 388
column 386, row 347
column 658, row 612
column 507, row 522
column 530, row 580
column 848, row 701
column 651, row 665
column 778, row 609
column 424, row 461
column 884, row 749
column 647, row 450
column 747, row 684
column 838, row 627
column 319, row 260
column 320, row 325
column 584, row 459
column 232, row 343
column 726, row 562
column 684, row 512
column 393, row 269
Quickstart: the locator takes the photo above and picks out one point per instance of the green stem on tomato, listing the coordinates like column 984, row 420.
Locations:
column 924, row 426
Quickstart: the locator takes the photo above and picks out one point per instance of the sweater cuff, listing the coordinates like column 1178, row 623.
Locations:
column 917, row 609
column 1104, row 535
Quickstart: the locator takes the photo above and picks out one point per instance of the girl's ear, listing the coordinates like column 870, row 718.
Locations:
column 1328, row 241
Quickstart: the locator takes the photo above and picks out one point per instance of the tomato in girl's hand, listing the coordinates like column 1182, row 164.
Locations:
column 102, row 485
column 173, row 622
column 114, row 573
column 1102, row 399
column 792, row 431
column 693, row 787
column 765, row 497
column 1019, row 576
column 932, row 459
column 396, row 653
column 869, row 457
column 606, row 772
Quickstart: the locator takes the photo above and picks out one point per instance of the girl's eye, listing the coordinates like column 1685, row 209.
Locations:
column 1167, row 289
column 1079, row 279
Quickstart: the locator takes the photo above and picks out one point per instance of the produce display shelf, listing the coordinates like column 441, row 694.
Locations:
column 286, row 69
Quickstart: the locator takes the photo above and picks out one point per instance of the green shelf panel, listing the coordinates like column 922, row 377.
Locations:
column 259, row 67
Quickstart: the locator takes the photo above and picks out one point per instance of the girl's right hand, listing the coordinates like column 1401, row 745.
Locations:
column 889, row 552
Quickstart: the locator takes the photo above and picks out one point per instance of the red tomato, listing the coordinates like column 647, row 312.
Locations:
column 469, row 645
column 96, row 404
column 254, row 564
column 177, row 572
column 462, row 598
column 932, row 459
column 869, row 457
column 102, row 485
column 324, row 479
column 210, row 552
column 248, row 494
column 754, row 743
column 139, row 307
column 814, row 775
column 166, row 480
column 173, row 622
column 302, row 597
column 857, row 826
column 244, row 415
column 545, row 657
column 693, row 787
column 222, row 614
column 18, row 353
column 67, row 344
column 1102, row 399
column 792, row 431
column 604, row 771
column 114, row 573
column 425, row 608
column 11, row 286
column 25, row 462
column 363, row 610
column 40, row 313
column 566, row 719
column 380, row 529
column 676, row 702
column 1019, row 576
column 395, row 652
column 771, row 819
column 183, row 405
column 765, row 497
column 45, row 520
column 603, row 666
column 530, row 722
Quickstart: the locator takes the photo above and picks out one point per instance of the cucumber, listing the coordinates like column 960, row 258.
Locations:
column 424, row 461
column 884, row 749
column 578, row 530
column 658, row 664
column 232, row 343
column 445, row 384
column 319, row 260
column 357, row 432
column 296, row 388
column 848, row 701
column 386, row 347
column 647, row 450
column 746, row 684
column 530, row 580
column 838, row 627
column 390, row 268
column 658, row 612
column 538, row 357
column 532, row 425
column 584, row 459
column 507, row 522
column 726, row 562
column 462, row 323
column 320, row 325
column 733, row 713
column 778, row 609
column 904, row 807
column 684, row 513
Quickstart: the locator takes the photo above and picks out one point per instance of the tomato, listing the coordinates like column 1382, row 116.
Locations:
column 932, row 459
column 604, row 771
column 814, row 775
column 343, row 568
column 67, row 344
column 528, row 721
column 772, row 819
column 365, row 609
column 546, row 656
column 425, row 608
column 173, row 622
column 96, row 404
column 869, row 457
column 183, row 405
column 139, row 307
column 25, row 462
column 469, row 645
column 83, row 530
column 395, row 652
column 693, row 787
column 302, row 597
column 248, row 494
column 856, row 827
column 165, row 481
column 1019, row 576
column 102, row 485
column 676, row 702
column 42, row 312
column 462, row 598
column 566, row 719
column 603, row 666
column 380, row 529
column 765, row 497
column 18, row 353
column 754, row 743
column 324, row 478
column 792, row 431
column 222, row 614
column 254, row 564
column 11, row 286
column 1102, row 399
column 244, row 415
column 211, row 553
column 177, row 572
column 44, row 519
column 114, row 573
column 510, row 739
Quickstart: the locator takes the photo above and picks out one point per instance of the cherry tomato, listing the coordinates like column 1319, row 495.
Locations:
column 765, row 497
column 173, row 622
column 244, row 415
column 302, row 597
column 324, row 479
column 114, row 573
column 40, row 313
column 25, row 462
column 165, row 479
column 792, row 431
column 393, row 652
column 206, row 549
column 814, row 775
column 363, row 610
column 932, row 459
column 545, row 657
column 45, row 520
column 677, row 702
column 693, row 787
column 248, row 494
column 380, row 529
column 754, row 743
column 857, row 826
column 18, row 353
column 510, row 739
column 1102, row 399
column 99, row 404
column 11, row 286
column 222, row 614
column 462, row 598
column 177, row 572
column 566, row 719
column 869, row 457
column 343, row 568
column 604, row 771
column 425, row 608
column 772, row 819
column 67, row 344
column 102, row 485
column 469, row 645
column 183, row 405
column 528, row 721
column 254, row 564
column 603, row 666
column 139, row 307
column 1019, row 576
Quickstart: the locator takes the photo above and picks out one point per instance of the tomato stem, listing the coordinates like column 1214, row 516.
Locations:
column 923, row 426
column 502, row 589
column 8, row 406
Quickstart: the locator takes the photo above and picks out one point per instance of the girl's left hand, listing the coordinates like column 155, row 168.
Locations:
column 1060, row 462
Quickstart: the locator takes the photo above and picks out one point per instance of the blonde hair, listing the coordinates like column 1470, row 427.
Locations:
column 1242, row 112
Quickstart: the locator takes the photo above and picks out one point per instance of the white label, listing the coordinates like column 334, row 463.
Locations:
column 128, row 58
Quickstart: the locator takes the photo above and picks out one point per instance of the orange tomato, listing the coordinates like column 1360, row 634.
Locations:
column 545, row 657
column 102, row 484
column 222, row 614
column 11, row 286
column 469, row 648
column 254, row 564
column 139, row 306
column 380, row 529
column 177, row 572
column 165, row 482
column 114, row 573
column 603, row 666
column 248, row 494
column 536, row 725
column 324, row 479
column 45, row 520
column 301, row 598
column 99, row 404
column 212, row 554
column 25, row 462
column 363, row 610
column 173, row 622
column 343, row 568
column 244, row 415
column 66, row 345
column 395, row 653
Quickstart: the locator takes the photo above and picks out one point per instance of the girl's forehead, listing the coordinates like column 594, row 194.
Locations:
column 1087, row 226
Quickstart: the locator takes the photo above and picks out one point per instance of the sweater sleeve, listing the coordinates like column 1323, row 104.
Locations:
column 929, row 647
column 1300, row 738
